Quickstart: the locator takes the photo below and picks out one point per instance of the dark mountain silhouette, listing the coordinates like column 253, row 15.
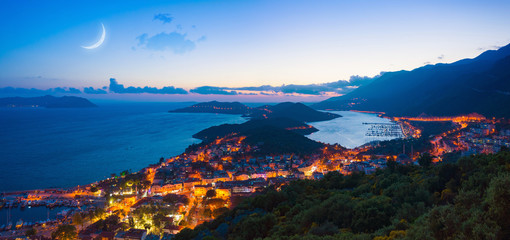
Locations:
column 294, row 111
column 216, row 107
column 479, row 85
column 46, row 101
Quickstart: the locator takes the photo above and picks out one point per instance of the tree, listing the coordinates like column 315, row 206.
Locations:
column 31, row 232
column 498, row 200
column 175, row 198
column 65, row 232
column 210, row 193
column 147, row 226
column 78, row 219
column 425, row 160
column 93, row 189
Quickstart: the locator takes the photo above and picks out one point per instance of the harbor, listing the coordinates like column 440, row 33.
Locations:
column 391, row 130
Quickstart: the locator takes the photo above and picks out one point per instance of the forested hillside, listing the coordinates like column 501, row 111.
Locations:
column 469, row 199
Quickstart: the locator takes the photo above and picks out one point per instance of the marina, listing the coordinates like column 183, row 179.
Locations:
column 392, row 130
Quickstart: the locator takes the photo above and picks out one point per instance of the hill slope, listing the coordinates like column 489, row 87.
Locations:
column 223, row 130
column 479, row 85
column 464, row 200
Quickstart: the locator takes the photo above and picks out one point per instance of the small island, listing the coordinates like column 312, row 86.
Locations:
column 47, row 102
column 216, row 107
column 294, row 111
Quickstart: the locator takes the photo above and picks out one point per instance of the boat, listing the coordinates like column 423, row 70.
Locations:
column 19, row 224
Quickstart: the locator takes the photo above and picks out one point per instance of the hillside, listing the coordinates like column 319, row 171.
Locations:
column 223, row 130
column 273, row 140
column 479, row 85
column 46, row 101
column 464, row 200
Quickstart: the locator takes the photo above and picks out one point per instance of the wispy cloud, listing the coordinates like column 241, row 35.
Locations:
column 174, row 41
column 164, row 17
column 119, row 88
column 441, row 57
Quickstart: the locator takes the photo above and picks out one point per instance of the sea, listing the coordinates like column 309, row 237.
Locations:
column 60, row 148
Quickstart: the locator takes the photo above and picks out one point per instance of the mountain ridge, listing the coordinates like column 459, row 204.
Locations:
column 465, row 86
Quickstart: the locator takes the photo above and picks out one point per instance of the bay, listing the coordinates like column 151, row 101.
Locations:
column 348, row 130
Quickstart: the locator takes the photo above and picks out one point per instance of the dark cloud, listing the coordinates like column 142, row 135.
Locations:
column 91, row 90
column 174, row 41
column 441, row 57
column 164, row 17
column 212, row 90
column 119, row 88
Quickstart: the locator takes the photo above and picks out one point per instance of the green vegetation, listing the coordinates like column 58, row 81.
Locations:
column 469, row 199
column 395, row 146
column 65, row 232
column 271, row 140
column 31, row 232
column 212, row 133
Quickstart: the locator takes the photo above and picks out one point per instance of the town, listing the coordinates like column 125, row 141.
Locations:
column 210, row 178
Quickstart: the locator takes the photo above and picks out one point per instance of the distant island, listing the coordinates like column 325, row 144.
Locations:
column 216, row 107
column 294, row 111
column 47, row 102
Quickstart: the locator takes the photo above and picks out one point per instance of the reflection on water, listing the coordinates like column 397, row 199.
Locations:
column 349, row 130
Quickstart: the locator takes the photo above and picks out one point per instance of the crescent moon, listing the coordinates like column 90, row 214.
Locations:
column 98, row 43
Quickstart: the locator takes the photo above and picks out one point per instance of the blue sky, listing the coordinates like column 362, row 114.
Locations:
column 187, row 44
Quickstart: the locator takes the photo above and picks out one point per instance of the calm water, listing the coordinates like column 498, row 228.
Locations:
column 41, row 148
column 348, row 131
